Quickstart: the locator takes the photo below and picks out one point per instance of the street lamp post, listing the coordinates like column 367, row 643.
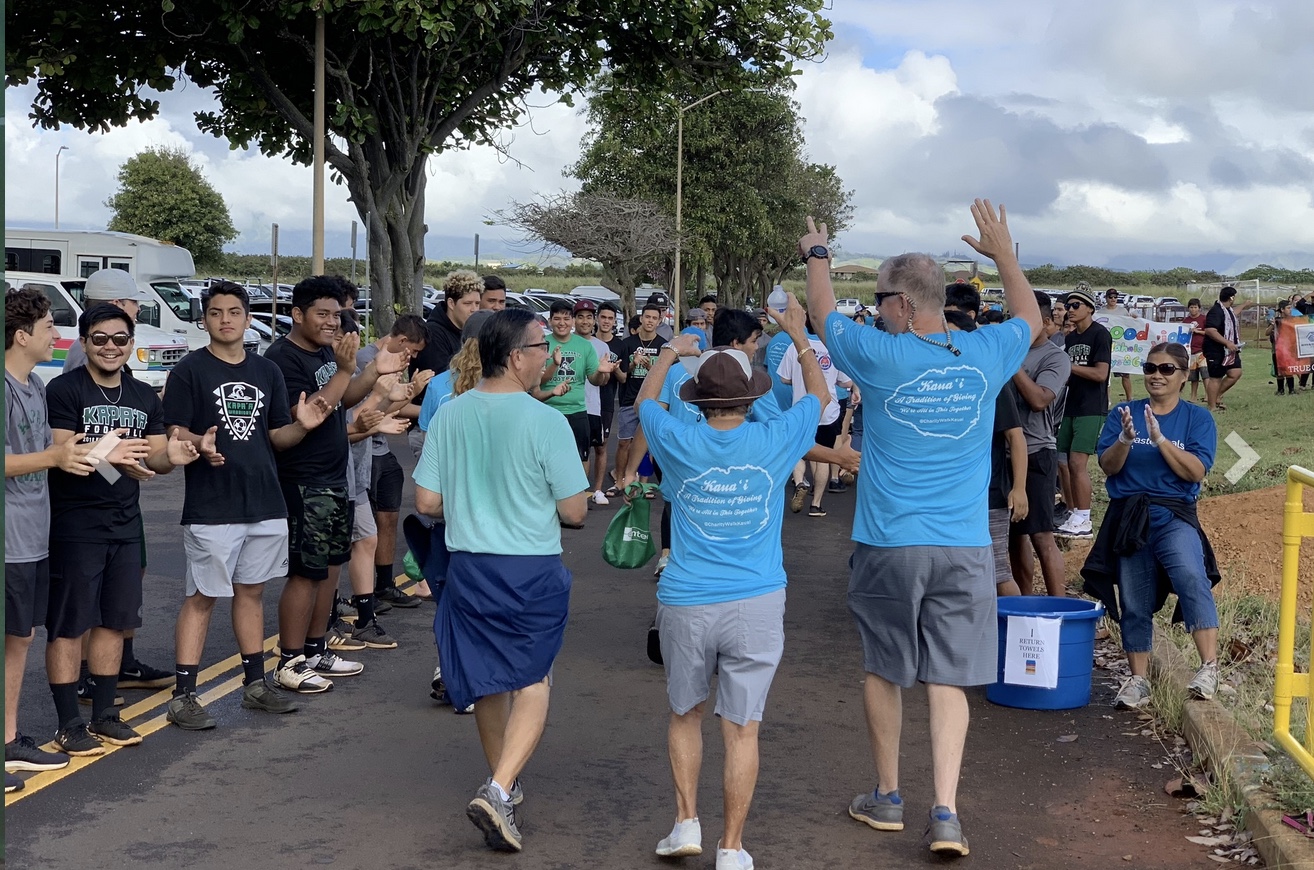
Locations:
column 62, row 148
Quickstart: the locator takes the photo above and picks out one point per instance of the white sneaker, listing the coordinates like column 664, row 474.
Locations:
column 685, row 840
column 599, row 498
column 1205, row 682
column 733, row 859
column 1134, row 694
column 296, row 676
column 329, row 663
column 1074, row 529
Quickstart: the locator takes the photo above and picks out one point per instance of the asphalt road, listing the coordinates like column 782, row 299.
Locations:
column 376, row 775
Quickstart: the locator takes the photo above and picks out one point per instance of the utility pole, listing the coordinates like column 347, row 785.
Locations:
column 273, row 266
column 317, row 205
column 353, row 252
column 62, row 148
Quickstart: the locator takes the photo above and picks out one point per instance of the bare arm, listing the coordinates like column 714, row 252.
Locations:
column 1017, row 458
column 1038, row 398
column 1098, row 372
column 573, row 509
column 821, row 295
column 997, row 244
column 430, row 503
column 69, row 454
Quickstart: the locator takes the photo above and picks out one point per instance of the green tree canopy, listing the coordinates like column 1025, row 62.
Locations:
column 162, row 194
column 747, row 182
column 404, row 79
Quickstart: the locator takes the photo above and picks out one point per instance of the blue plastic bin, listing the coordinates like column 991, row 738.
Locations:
column 1076, row 652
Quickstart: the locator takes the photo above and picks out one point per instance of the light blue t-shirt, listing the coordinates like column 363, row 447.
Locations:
column 927, row 427
column 437, row 394
column 726, row 491
column 776, row 349
column 501, row 461
column 698, row 334
column 1189, row 427
column 763, row 410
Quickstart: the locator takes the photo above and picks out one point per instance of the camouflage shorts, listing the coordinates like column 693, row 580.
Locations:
column 319, row 529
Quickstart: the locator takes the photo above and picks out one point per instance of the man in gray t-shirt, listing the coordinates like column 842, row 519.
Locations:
column 1041, row 383
column 30, row 452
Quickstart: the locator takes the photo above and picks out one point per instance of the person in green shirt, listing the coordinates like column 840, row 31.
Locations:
column 572, row 363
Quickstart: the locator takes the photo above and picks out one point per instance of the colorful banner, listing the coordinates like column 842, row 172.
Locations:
column 1294, row 346
column 1133, row 337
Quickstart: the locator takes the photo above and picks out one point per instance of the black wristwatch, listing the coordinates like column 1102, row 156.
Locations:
column 816, row 251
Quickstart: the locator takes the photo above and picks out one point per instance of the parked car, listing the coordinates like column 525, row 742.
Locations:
column 1174, row 312
column 848, row 307
column 1138, row 302
column 1167, row 300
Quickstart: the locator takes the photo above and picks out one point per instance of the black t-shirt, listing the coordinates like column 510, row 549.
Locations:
column 1087, row 349
column 90, row 508
column 245, row 401
column 607, row 392
column 1007, row 417
column 321, row 457
column 1217, row 318
column 637, row 357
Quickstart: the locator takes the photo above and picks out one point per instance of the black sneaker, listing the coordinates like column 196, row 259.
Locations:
column 12, row 783
column 112, row 730
column 84, row 694
column 75, row 739
column 397, row 598
column 262, row 695
column 23, row 754
column 186, row 712
column 136, row 675
column 654, row 644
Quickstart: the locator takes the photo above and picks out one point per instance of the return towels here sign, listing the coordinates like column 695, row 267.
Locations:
column 1031, row 651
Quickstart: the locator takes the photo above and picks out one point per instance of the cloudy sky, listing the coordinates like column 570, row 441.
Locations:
column 1124, row 133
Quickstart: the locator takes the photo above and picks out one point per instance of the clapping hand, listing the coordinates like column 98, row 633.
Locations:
column 71, row 456
column 390, row 425
column 1151, row 424
column 390, row 361
column 311, row 414
column 995, row 240
column 344, row 350
column 209, row 449
column 560, row 389
column 1128, row 424
column 182, row 452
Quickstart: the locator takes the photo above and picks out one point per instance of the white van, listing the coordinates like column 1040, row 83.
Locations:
column 156, row 266
column 157, row 351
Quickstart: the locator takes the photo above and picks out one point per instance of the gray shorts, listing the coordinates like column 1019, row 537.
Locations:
column 999, row 524
column 740, row 641
column 362, row 523
column 219, row 556
column 627, row 422
column 926, row 614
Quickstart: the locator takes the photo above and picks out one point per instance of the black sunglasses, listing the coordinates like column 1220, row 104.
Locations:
column 100, row 339
column 881, row 297
column 1161, row 368
column 1075, row 304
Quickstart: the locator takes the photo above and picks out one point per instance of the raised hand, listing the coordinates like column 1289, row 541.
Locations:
column 345, row 347
column 71, row 456
column 182, row 452
column 1128, row 424
column 1151, row 424
column 793, row 319
column 311, row 414
column 816, row 235
column 391, row 388
column 419, row 381
column 389, row 361
column 561, row 389
column 209, row 449
column 995, row 240
column 556, row 356
column 684, row 344
column 366, row 420
column 391, row 425
column 606, row 366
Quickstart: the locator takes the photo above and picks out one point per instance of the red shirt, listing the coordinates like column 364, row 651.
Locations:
column 1197, row 339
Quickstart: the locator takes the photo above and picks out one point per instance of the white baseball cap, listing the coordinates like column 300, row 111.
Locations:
column 108, row 285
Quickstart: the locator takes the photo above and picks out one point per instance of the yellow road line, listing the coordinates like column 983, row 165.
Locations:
column 149, row 704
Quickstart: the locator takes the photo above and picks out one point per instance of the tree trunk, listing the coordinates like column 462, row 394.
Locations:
column 396, row 247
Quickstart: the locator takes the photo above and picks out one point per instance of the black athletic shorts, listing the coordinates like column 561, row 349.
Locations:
column 579, row 427
column 319, row 521
column 386, row 483
column 1218, row 368
column 93, row 584
column 27, row 592
column 828, row 432
column 598, row 431
column 1042, row 473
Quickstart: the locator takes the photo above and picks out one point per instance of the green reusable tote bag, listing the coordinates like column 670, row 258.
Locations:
column 628, row 542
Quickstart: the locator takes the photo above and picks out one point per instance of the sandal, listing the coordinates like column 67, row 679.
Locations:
column 612, row 492
column 816, row 510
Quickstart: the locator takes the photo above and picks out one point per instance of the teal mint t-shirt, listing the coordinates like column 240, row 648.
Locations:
column 726, row 491
column 579, row 362
column 763, row 410
column 928, row 418
column 1188, row 426
column 501, row 461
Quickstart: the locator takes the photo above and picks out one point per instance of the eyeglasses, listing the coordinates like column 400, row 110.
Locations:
column 1073, row 306
column 1161, row 368
column 881, row 297
column 100, row 339
column 535, row 344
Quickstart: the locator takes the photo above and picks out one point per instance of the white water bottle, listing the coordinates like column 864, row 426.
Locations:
column 778, row 299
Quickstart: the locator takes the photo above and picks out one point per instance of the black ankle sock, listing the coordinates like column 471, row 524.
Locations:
column 286, row 655
column 103, row 687
column 185, row 679
column 364, row 605
column 84, row 671
column 383, row 578
column 66, row 702
column 253, row 667
column 315, row 646
column 128, row 657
